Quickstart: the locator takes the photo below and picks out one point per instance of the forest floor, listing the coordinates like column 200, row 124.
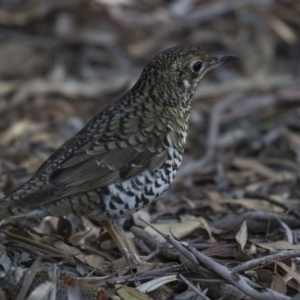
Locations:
column 229, row 225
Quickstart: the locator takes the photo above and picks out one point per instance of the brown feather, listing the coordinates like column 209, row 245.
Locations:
column 96, row 167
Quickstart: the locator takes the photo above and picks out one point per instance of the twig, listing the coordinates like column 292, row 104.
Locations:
column 202, row 296
column 185, row 256
column 175, row 244
column 275, row 202
column 154, row 243
column 237, row 280
column 54, row 281
column 28, row 279
column 255, row 220
column 148, row 275
column 262, row 261
column 35, row 244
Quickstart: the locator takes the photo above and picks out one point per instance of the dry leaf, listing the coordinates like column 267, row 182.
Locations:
column 178, row 230
column 156, row 283
column 280, row 245
column 262, row 170
column 242, row 235
column 130, row 293
column 265, row 276
column 278, row 284
column 69, row 250
column 144, row 215
column 294, row 284
column 207, row 228
column 93, row 260
column 289, row 270
column 220, row 250
column 41, row 292
column 5, row 261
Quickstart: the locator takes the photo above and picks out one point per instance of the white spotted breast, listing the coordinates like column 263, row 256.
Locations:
column 129, row 196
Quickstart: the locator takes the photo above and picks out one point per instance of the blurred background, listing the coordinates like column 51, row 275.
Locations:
column 63, row 61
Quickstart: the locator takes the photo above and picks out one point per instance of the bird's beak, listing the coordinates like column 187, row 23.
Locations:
column 221, row 60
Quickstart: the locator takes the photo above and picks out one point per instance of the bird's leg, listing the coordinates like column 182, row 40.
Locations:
column 132, row 255
column 117, row 233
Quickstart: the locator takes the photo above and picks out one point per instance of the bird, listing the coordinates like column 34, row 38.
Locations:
column 127, row 155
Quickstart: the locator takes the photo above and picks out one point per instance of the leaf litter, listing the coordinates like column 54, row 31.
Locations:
column 228, row 227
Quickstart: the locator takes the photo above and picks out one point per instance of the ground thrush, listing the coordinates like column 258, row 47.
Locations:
column 125, row 157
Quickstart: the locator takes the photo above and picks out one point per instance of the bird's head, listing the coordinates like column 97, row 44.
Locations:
column 176, row 72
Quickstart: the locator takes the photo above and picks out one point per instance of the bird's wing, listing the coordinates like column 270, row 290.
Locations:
column 99, row 155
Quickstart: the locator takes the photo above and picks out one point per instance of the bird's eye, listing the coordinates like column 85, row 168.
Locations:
column 197, row 66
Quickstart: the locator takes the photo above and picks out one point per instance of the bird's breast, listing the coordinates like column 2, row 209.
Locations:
column 127, row 197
